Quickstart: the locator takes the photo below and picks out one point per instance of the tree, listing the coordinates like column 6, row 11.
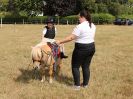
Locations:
column 3, row 5
column 60, row 7
column 51, row 7
column 65, row 7
column 11, row 5
column 90, row 4
column 104, row 1
column 115, row 9
column 130, row 3
column 102, row 8
column 31, row 7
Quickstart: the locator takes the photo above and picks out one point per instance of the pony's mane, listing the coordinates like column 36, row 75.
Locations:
column 36, row 53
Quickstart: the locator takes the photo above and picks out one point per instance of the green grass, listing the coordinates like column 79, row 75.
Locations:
column 111, row 67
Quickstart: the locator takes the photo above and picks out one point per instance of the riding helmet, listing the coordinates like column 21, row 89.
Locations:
column 50, row 20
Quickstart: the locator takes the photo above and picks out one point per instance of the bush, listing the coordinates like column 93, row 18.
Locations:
column 3, row 14
column 96, row 18
column 102, row 18
column 10, row 19
column 20, row 19
column 37, row 19
column 71, row 19
column 126, row 16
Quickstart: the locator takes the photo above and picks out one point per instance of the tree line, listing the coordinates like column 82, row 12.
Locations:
column 65, row 7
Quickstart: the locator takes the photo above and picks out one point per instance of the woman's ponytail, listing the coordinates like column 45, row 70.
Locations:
column 85, row 13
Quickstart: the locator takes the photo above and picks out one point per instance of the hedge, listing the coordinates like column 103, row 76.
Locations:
column 96, row 18
column 102, row 18
column 126, row 16
column 71, row 19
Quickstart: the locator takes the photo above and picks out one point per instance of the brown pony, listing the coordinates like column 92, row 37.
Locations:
column 43, row 58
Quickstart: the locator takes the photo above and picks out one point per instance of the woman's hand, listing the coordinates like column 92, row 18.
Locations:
column 67, row 39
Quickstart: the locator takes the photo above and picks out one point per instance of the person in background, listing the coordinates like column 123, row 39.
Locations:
column 83, row 34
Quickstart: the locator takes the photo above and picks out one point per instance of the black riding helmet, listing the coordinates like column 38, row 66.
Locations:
column 50, row 20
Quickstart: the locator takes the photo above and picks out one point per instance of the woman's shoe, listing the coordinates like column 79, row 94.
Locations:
column 76, row 87
column 84, row 86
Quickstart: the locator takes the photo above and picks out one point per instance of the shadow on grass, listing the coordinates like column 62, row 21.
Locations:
column 31, row 74
column 65, row 80
column 27, row 75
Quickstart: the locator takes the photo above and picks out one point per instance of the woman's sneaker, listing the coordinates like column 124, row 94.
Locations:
column 76, row 87
column 84, row 86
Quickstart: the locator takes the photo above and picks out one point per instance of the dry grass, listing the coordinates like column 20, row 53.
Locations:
column 111, row 68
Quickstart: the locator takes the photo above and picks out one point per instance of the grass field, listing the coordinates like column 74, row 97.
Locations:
column 111, row 68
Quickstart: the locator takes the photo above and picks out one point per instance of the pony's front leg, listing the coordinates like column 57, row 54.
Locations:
column 42, row 70
column 59, row 70
column 51, row 74
column 59, row 67
column 43, row 78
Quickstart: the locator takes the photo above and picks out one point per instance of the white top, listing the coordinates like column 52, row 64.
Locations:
column 45, row 30
column 84, row 33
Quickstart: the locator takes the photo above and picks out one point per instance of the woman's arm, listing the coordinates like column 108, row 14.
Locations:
column 67, row 39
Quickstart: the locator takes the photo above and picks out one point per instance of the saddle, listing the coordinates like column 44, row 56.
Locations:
column 56, row 53
column 55, row 49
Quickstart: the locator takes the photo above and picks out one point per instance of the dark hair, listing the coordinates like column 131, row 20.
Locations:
column 85, row 13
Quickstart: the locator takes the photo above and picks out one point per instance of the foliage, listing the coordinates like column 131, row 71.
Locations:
column 102, row 8
column 3, row 5
column 102, row 18
column 60, row 7
column 126, row 16
column 30, row 7
column 114, row 7
column 90, row 4
column 63, row 8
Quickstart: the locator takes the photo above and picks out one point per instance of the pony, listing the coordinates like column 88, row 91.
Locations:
column 43, row 58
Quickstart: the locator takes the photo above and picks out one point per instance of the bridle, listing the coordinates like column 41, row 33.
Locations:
column 49, row 55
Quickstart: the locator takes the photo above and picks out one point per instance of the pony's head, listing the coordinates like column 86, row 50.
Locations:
column 42, row 56
column 36, row 56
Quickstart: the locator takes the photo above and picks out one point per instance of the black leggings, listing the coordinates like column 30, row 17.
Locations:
column 82, row 56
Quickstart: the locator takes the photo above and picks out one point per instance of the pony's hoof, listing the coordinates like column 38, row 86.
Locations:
column 50, row 81
column 42, row 80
